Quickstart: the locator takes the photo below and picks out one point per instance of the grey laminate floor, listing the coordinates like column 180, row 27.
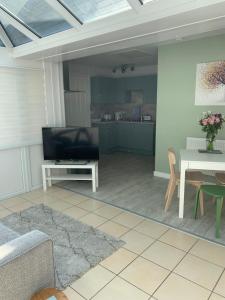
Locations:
column 127, row 181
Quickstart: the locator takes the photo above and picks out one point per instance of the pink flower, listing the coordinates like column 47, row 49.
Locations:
column 217, row 120
column 204, row 122
column 211, row 121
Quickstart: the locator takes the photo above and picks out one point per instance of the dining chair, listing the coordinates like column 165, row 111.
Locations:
column 218, row 193
column 220, row 177
column 193, row 178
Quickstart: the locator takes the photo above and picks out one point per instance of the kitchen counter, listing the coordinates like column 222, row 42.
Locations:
column 121, row 121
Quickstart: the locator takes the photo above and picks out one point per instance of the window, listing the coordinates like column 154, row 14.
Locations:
column 90, row 10
column 22, row 103
column 17, row 38
column 37, row 15
column 1, row 44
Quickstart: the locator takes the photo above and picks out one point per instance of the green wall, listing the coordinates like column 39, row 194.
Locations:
column 177, row 116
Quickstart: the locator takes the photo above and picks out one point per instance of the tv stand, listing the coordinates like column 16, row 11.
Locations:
column 91, row 165
column 72, row 162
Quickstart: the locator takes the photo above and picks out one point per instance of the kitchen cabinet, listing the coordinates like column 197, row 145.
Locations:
column 117, row 90
column 107, row 136
column 102, row 90
column 134, row 137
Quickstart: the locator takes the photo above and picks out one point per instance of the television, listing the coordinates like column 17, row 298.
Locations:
column 78, row 144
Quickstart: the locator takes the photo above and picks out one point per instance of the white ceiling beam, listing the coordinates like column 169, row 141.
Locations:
column 3, row 36
column 135, row 4
column 4, row 15
column 64, row 13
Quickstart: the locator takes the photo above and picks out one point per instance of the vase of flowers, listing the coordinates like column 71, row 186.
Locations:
column 211, row 123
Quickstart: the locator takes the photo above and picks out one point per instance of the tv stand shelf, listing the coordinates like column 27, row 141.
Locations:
column 47, row 178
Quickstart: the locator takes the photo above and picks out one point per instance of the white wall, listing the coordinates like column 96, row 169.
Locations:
column 20, row 166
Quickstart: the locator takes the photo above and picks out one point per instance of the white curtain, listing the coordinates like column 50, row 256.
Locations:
column 22, row 106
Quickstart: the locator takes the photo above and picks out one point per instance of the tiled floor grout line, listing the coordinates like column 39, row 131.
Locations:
column 107, row 220
column 117, row 275
column 171, row 271
column 102, row 287
column 139, row 255
column 77, row 292
column 223, row 272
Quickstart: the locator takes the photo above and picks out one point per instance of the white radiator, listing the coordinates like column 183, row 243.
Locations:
column 200, row 143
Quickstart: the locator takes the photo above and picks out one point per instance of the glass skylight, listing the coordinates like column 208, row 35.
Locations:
column 17, row 38
column 90, row 10
column 37, row 15
column 1, row 44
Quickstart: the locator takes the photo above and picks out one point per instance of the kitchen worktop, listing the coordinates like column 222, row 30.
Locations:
column 123, row 121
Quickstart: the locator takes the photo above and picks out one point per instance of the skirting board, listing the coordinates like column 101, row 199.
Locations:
column 161, row 174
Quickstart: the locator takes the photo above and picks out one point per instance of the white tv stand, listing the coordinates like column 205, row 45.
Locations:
column 48, row 177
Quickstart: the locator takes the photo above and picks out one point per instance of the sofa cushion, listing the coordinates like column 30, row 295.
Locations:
column 7, row 234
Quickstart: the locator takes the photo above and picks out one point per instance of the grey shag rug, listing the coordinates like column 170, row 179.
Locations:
column 77, row 246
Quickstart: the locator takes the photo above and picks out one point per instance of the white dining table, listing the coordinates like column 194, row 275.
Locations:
column 193, row 160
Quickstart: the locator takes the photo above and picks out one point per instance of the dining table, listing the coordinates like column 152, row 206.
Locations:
column 195, row 160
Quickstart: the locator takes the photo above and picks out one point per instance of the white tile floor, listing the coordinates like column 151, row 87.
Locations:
column 157, row 262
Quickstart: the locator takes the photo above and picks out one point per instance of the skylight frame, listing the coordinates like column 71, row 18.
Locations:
column 64, row 12
column 100, row 17
column 2, row 45
column 5, row 39
column 19, row 21
column 15, row 37
column 144, row 2
column 40, row 17
column 70, row 17
column 70, row 11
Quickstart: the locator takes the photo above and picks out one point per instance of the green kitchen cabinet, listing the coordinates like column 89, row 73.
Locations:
column 144, row 138
column 124, row 134
column 107, row 136
column 136, row 137
column 117, row 90
column 102, row 90
column 121, row 90
column 146, row 84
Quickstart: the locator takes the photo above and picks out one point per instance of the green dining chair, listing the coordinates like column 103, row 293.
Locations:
column 218, row 193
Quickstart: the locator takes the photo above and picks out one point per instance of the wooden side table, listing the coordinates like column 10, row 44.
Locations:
column 46, row 293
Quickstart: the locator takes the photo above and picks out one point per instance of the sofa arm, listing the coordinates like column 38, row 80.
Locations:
column 26, row 266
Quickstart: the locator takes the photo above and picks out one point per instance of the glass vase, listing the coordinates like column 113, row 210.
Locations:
column 210, row 143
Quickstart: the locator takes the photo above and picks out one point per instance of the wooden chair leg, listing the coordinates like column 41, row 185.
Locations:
column 201, row 200
column 219, row 205
column 196, row 204
column 170, row 195
column 167, row 191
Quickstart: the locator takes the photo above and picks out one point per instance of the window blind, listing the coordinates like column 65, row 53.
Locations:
column 22, row 107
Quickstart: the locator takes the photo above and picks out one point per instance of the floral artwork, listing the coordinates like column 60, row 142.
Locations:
column 210, row 83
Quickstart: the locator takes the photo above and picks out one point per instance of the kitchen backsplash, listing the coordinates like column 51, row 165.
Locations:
column 98, row 110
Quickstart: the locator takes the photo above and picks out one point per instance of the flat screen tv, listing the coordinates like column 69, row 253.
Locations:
column 70, row 143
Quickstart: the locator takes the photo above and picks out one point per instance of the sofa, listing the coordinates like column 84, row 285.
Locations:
column 26, row 263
